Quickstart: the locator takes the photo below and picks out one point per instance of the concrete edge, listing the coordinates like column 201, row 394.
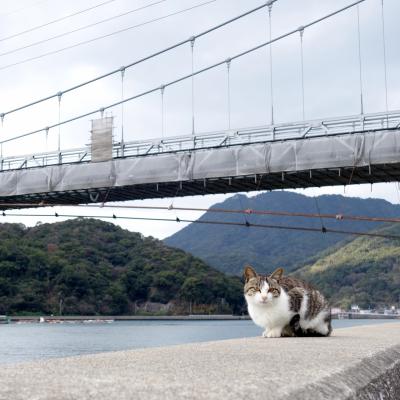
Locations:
column 177, row 345
column 374, row 377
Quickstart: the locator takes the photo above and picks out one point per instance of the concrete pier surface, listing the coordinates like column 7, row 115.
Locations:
column 355, row 363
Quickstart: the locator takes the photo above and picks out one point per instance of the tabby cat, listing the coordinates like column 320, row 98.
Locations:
column 286, row 306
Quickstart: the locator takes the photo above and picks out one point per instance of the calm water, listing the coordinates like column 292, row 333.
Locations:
column 26, row 342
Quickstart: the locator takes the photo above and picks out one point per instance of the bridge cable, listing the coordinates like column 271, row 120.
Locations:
column 122, row 111
column 360, row 60
column 153, row 55
column 1, row 145
column 55, row 20
column 192, row 41
column 271, row 87
column 228, row 87
column 183, row 78
column 210, row 222
column 162, row 89
column 384, row 56
column 107, row 35
column 59, row 124
column 301, row 32
column 49, row 39
column 46, row 137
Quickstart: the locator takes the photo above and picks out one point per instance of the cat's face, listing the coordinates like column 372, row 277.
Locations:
column 261, row 289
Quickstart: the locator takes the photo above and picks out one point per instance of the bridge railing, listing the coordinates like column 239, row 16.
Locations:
column 278, row 132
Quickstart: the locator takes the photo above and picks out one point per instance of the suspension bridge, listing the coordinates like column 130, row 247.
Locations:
column 353, row 149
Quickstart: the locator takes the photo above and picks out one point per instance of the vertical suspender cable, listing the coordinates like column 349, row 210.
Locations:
column 192, row 40
column 46, row 138
column 122, row 111
column 59, row 95
column 1, row 147
column 360, row 60
column 384, row 55
column 162, row 88
column 228, row 68
column 271, row 88
column 301, row 31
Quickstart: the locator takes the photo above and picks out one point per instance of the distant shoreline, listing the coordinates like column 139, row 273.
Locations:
column 198, row 317
column 130, row 318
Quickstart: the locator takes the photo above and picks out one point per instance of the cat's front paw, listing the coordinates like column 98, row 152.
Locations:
column 273, row 333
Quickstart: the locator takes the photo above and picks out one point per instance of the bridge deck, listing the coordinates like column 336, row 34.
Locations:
column 355, row 157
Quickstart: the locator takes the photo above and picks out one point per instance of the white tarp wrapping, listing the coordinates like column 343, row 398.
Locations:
column 101, row 134
column 351, row 150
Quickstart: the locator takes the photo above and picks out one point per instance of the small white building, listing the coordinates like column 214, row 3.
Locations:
column 355, row 308
column 390, row 311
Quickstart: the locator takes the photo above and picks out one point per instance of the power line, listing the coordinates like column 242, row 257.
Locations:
column 153, row 55
column 248, row 211
column 178, row 80
column 107, row 35
column 208, row 222
column 81, row 28
column 55, row 21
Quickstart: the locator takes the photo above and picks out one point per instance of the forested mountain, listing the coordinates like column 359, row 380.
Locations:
column 366, row 271
column 86, row 266
column 93, row 267
column 229, row 248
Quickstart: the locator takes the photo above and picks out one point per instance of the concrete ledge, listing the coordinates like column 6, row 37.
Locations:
column 355, row 363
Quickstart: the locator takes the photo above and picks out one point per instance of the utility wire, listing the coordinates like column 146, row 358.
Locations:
column 54, row 21
column 178, row 80
column 338, row 216
column 153, row 55
column 81, row 28
column 224, row 223
column 107, row 35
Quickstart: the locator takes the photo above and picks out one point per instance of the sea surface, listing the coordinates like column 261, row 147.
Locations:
column 34, row 341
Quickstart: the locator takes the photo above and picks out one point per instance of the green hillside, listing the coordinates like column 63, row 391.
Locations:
column 229, row 248
column 366, row 271
column 94, row 267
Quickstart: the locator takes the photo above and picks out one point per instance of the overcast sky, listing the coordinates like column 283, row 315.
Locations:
column 330, row 73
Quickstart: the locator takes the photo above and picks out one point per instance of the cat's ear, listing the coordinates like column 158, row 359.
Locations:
column 249, row 273
column 277, row 274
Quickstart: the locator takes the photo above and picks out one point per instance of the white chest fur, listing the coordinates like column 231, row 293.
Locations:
column 274, row 314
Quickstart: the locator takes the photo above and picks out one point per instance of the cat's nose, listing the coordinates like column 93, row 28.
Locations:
column 264, row 296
